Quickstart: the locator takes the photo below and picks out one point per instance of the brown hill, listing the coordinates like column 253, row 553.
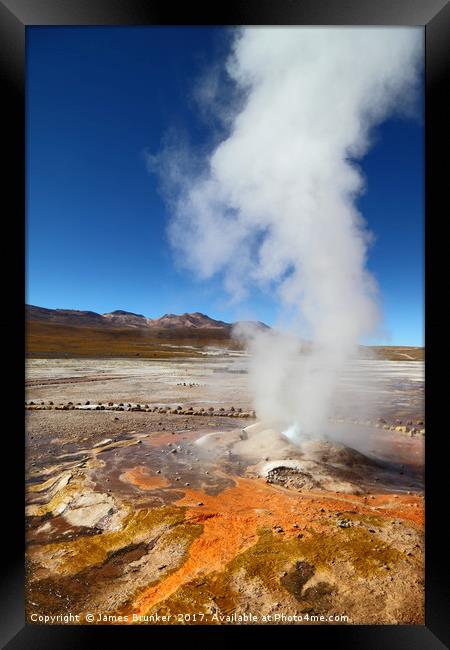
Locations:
column 63, row 316
column 123, row 319
column 75, row 333
column 195, row 320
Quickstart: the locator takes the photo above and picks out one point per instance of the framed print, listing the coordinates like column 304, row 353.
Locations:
column 224, row 222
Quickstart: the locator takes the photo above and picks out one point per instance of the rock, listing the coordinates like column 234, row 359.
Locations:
column 88, row 509
column 243, row 435
column 200, row 503
column 173, row 451
column 343, row 523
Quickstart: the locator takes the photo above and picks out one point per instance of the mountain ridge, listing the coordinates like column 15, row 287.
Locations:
column 63, row 333
column 125, row 319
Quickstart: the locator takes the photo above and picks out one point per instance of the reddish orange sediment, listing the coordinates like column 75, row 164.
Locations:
column 401, row 506
column 231, row 521
column 140, row 477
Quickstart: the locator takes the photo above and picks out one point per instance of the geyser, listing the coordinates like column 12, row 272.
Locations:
column 274, row 204
column 294, row 433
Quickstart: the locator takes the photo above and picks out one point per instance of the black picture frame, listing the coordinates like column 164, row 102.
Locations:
column 15, row 16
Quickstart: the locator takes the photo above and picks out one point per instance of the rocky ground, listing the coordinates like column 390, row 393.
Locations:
column 207, row 517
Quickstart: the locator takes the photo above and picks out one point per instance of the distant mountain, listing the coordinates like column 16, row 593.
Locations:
column 129, row 320
column 253, row 324
column 126, row 319
column 195, row 320
column 63, row 316
column 72, row 333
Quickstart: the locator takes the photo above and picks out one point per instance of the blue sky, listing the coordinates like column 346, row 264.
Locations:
column 97, row 99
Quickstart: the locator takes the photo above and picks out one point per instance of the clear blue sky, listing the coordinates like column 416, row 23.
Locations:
column 97, row 98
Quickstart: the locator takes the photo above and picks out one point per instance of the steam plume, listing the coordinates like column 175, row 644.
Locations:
column 274, row 203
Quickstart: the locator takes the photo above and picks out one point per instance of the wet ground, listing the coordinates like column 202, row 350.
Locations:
column 206, row 518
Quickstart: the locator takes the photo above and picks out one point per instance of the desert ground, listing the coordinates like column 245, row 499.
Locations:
column 155, row 495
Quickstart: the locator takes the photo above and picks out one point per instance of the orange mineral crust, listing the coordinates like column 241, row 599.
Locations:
column 140, row 477
column 233, row 520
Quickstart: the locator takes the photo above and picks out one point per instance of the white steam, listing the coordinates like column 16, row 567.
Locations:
column 274, row 204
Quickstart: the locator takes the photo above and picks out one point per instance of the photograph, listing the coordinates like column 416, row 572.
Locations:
column 224, row 325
